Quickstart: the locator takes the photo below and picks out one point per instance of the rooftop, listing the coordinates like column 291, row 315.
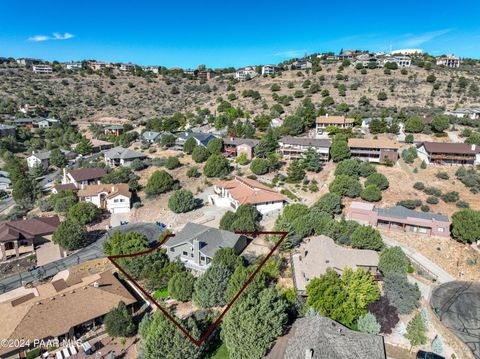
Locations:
column 240, row 141
column 455, row 148
column 371, row 143
column 245, row 190
column 306, row 141
column 333, row 120
column 27, row 228
column 123, row 153
column 84, row 174
column 112, row 190
column 402, row 212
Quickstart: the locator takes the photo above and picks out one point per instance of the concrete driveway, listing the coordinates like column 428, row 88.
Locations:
column 117, row 218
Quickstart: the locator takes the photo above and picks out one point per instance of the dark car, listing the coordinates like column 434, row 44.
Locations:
column 428, row 355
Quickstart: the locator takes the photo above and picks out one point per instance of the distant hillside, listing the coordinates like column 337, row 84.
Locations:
column 87, row 97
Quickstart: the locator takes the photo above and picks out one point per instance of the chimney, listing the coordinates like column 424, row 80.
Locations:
column 474, row 147
column 326, row 115
column 96, row 285
column 196, row 248
column 308, row 353
column 113, row 188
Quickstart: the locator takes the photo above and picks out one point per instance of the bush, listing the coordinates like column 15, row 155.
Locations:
column 180, row 286
column 181, row 201
column 462, row 204
column 409, row 155
column 432, row 200
column 200, row 154
column 138, row 165
column 70, row 235
column 193, row 172
column 172, row 163
column 371, row 193
column 393, row 260
column 402, row 294
column 442, row 175
column 345, row 186
column 425, row 208
column 330, row 203
column 416, row 328
column 410, row 203
column 450, row 197
column 367, row 237
column 189, row 145
column 414, row 124
column 419, row 185
column 349, row 167
column 118, row 322
column 260, row 166
column 216, row 166
column 409, row 138
column 385, row 313
column 159, row 182
column 368, row 324
column 466, row 225
column 377, row 179
column 84, row 213
column 433, row 191
column 423, row 165
column 366, row 169
column 215, row 146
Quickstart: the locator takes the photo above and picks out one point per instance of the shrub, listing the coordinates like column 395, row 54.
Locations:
column 349, row 167
column 442, row 175
column 159, row 182
column 402, row 294
column 409, row 155
column 371, row 193
column 450, row 197
column 393, row 260
column 416, row 328
column 425, row 208
column 378, row 180
column 462, row 204
column 367, row 237
column 330, row 203
column 410, row 203
column 172, row 163
column 385, row 313
column 260, row 166
column 423, row 165
column 366, row 169
column 180, row 286
column 345, row 186
column 432, row 200
column 433, row 191
column 466, row 225
column 181, row 201
column 409, row 138
column 419, row 185
column 200, row 154
column 189, row 145
column 368, row 324
column 118, row 322
column 138, row 165
column 193, row 172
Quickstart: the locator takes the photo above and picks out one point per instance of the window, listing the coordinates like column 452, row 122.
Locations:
column 191, row 255
column 202, row 258
column 185, row 253
column 172, row 249
column 441, row 229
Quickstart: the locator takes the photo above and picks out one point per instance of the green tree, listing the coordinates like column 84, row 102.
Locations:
column 267, row 145
column 339, row 151
column 247, row 219
column 402, row 294
column 295, row 171
column 84, row 147
column 216, row 166
column 182, row 201
column 189, row 144
column 23, row 191
column 377, row 179
column 466, row 225
column 84, row 213
column 211, row 287
column 366, row 169
column 367, row 237
column 416, row 331
column 172, row 162
column 414, row 124
column 343, row 299
column 345, row 186
column 440, row 123
column 242, row 159
column 167, row 140
column 159, row 182
column 215, row 146
column 371, row 193
column 63, row 201
column 349, row 167
column 253, row 323
column 368, row 324
column 292, row 125
column 311, row 160
column 118, row 322
column 330, row 203
column 70, row 235
column 393, row 260
column 382, row 96
column 180, row 286
column 57, row 158
column 227, row 220
column 200, row 154
column 260, row 166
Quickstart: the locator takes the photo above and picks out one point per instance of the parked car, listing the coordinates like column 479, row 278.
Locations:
column 428, row 355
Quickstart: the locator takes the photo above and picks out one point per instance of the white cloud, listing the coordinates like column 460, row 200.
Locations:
column 417, row 40
column 291, row 53
column 55, row 36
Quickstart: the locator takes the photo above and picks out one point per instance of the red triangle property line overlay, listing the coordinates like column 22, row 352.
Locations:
column 204, row 337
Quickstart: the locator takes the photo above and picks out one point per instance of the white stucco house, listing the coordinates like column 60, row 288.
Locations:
column 233, row 193
column 114, row 198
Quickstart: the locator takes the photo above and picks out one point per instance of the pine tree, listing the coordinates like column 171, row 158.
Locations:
column 416, row 331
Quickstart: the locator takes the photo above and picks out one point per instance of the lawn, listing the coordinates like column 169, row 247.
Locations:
column 220, row 353
column 160, row 293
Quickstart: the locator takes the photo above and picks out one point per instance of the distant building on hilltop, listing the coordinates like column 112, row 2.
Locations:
column 42, row 69
column 270, row 70
column 245, row 73
column 450, row 61
column 407, row 52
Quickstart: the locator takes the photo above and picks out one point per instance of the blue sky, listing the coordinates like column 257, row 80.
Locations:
column 229, row 33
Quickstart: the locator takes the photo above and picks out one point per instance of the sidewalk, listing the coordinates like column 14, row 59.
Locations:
column 443, row 276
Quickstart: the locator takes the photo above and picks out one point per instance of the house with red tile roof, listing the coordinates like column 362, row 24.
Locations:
column 19, row 237
column 240, row 190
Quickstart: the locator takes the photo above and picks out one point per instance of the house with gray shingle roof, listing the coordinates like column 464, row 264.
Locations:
column 150, row 136
column 401, row 219
column 201, row 138
column 119, row 156
column 43, row 158
column 317, row 337
column 196, row 244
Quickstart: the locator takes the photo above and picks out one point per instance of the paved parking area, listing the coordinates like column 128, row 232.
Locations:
column 457, row 305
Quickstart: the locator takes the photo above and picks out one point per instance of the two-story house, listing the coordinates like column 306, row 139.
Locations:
column 234, row 146
column 324, row 122
column 43, row 158
column 295, row 147
column 196, row 244
column 114, row 198
column 119, row 156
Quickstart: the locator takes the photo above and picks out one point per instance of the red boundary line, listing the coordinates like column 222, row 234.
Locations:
column 204, row 337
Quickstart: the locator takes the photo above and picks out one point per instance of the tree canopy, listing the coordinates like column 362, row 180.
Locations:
column 159, row 182
column 70, row 235
column 118, row 322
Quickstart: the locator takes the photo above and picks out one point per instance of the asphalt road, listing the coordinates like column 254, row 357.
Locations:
column 93, row 251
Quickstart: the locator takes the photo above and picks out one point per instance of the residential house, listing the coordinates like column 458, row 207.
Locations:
column 25, row 122
column 270, row 70
column 347, row 54
column 240, row 190
column 323, row 122
column 96, row 66
column 450, row 61
column 7, row 130
column 27, row 61
column 44, row 122
column 401, row 61
column 302, row 64
column 201, row 138
column 401, row 219
column 63, row 309
column 449, row 153
column 43, row 158
column 379, row 151
column 205, row 75
column 83, row 176
column 316, row 254
column 295, row 147
column 98, row 145
column 73, row 66
column 366, row 60
column 127, row 67
column 245, row 73
column 317, row 337
column 113, row 130
column 152, row 69
column 234, row 146
column 20, row 236
column 42, row 69
column 196, row 244
column 114, row 198
column 151, row 136
column 472, row 113
column 32, row 110
column 119, row 156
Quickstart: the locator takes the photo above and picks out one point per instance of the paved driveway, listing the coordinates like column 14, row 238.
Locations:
column 93, row 251
column 457, row 305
